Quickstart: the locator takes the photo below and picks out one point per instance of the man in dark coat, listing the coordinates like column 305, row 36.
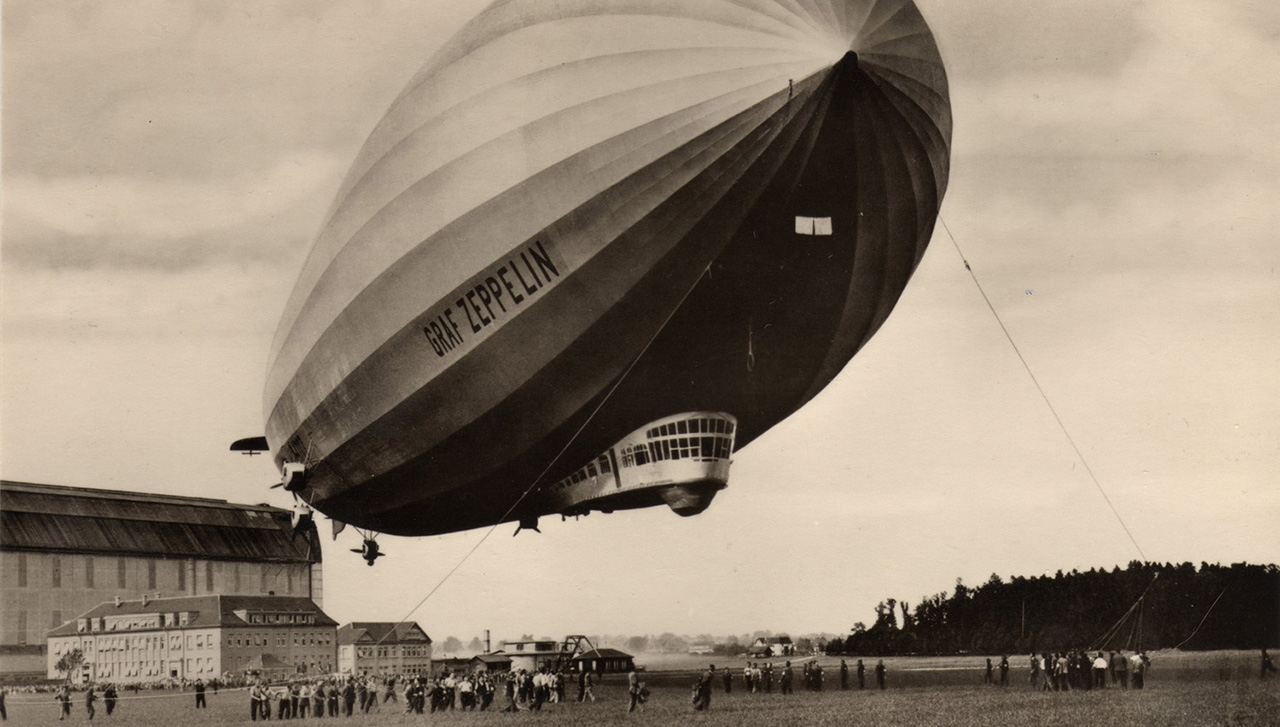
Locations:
column 702, row 701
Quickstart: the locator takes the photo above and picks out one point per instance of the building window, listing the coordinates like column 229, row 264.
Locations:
column 122, row 573
column 88, row 571
column 151, row 575
column 182, row 576
column 235, row 577
column 262, row 581
column 22, row 572
column 289, row 584
column 22, row 627
column 55, row 570
column 208, row 576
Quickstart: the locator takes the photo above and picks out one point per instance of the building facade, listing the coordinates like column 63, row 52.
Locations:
column 64, row 550
column 197, row 637
column 532, row 654
column 604, row 661
column 382, row 647
column 769, row 646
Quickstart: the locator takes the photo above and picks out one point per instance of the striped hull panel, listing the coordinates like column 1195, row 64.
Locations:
column 682, row 285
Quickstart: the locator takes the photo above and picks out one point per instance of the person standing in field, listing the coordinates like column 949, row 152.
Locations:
column 862, row 675
column 349, row 697
column 200, row 703
column 90, row 697
column 989, row 676
column 109, row 697
column 64, row 702
column 1140, row 664
column 844, row 675
column 787, row 676
column 1035, row 670
column 633, row 691
column 728, row 681
column 703, row 700
column 880, row 674
column 1004, row 671
column 1099, row 671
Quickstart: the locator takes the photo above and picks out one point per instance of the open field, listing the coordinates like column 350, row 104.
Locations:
column 1185, row 689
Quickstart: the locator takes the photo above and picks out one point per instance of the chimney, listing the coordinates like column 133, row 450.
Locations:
column 487, row 648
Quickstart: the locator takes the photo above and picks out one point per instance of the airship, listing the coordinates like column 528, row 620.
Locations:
column 595, row 247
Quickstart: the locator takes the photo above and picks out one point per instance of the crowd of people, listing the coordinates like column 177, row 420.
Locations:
column 527, row 690
column 1062, row 672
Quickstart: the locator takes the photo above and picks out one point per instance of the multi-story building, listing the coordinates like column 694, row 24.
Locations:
column 384, row 647
column 532, row 654
column 197, row 637
column 64, row 550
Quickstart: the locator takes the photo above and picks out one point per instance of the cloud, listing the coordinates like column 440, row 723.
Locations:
column 133, row 221
column 1195, row 84
column 985, row 41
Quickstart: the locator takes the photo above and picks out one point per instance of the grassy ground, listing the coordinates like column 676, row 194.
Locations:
column 1188, row 690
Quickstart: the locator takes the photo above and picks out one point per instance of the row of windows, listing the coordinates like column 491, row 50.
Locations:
column 593, row 469
column 282, row 618
column 692, row 426
column 56, row 580
column 700, row 448
column 305, row 640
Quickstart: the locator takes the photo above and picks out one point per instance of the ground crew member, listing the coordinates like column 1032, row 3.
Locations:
column 703, row 700
column 633, row 690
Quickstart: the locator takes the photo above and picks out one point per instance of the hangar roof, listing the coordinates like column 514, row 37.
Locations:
column 206, row 611
column 84, row 520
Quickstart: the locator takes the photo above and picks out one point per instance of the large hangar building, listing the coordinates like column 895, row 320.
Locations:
column 65, row 550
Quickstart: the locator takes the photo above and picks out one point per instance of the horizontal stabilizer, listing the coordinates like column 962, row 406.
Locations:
column 250, row 445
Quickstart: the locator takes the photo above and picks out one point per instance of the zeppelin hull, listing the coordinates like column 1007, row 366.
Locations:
column 729, row 250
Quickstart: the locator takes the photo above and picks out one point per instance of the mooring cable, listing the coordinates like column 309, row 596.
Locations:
column 1043, row 395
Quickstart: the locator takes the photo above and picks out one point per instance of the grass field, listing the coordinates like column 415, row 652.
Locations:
column 1192, row 690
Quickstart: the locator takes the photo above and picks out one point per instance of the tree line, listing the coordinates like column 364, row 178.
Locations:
column 1142, row 606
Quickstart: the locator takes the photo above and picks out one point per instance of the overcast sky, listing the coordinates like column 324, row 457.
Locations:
column 1115, row 187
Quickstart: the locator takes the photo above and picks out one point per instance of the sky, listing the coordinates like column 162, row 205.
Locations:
column 1115, row 176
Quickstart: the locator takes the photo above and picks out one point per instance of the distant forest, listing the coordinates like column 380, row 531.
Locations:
column 1144, row 606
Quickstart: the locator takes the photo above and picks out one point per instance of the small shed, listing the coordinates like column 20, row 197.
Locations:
column 269, row 668
column 767, row 646
column 453, row 663
column 604, row 661
column 495, row 662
